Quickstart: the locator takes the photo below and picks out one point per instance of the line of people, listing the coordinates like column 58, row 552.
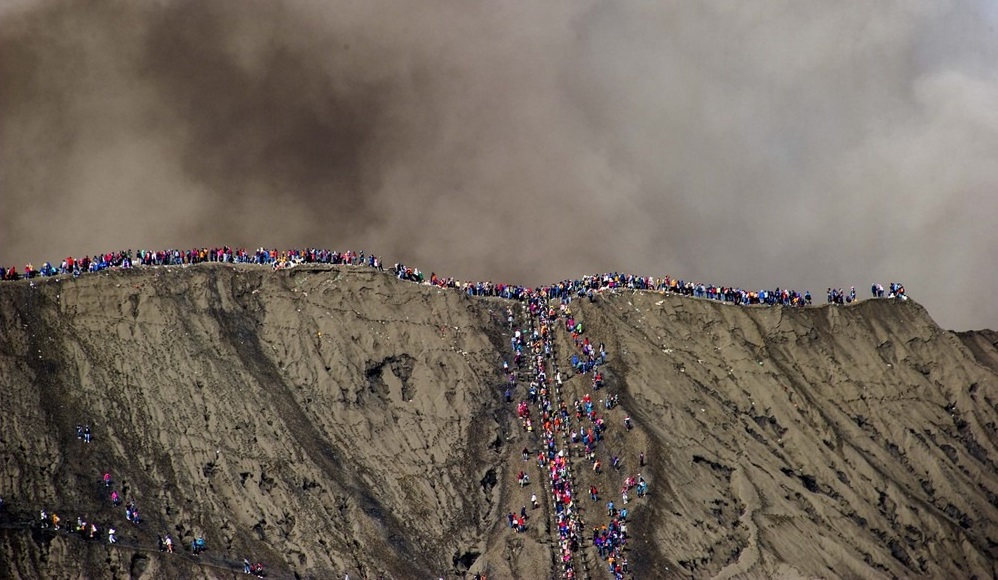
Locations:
column 839, row 296
column 534, row 344
column 610, row 539
column 531, row 345
column 585, row 286
column 126, row 259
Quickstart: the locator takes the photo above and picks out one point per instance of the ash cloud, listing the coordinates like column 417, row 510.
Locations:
column 797, row 144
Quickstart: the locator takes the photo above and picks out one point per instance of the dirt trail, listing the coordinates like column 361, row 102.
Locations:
column 331, row 420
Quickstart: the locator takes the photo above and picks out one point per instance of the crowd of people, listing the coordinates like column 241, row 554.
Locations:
column 528, row 344
column 564, row 428
column 128, row 259
column 584, row 286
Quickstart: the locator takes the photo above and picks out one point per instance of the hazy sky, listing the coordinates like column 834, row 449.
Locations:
column 785, row 143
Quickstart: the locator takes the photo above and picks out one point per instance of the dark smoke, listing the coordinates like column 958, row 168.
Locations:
column 801, row 144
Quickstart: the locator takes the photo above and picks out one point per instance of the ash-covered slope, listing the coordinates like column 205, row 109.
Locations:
column 318, row 420
column 832, row 441
column 331, row 420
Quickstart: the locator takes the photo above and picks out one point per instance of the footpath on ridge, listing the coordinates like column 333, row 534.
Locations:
column 575, row 458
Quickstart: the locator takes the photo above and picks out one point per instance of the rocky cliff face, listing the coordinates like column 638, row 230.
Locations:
column 335, row 420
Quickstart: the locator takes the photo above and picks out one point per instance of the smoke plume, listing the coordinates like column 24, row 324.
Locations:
column 792, row 144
